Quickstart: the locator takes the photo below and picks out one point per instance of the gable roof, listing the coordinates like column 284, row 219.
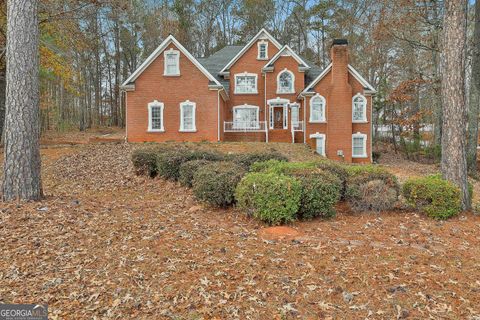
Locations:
column 158, row 51
column 217, row 61
column 248, row 45
column 292, row 53
column 352, row 71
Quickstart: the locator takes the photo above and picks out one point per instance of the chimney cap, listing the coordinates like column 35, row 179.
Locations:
column 339, row 42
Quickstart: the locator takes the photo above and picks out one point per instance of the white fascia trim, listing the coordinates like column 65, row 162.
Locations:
column 278, row 82
column 248, row 75
column 318, row 78
column 364, row 111
column 262, row 42
column 248, row 45
column 361, row 80
column 364, row 136
column 318, row 96
column 155, row 103
column 189, row 103
column 293, row 54
column 352, row 71
column 158, row 51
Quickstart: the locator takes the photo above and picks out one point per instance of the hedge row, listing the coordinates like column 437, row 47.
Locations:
column 212, row 175
column 276, row 191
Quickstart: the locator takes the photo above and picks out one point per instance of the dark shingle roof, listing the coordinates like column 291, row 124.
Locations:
column 215, row 63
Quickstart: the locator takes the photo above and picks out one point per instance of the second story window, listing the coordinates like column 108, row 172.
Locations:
column 262, row 50
column 359, row 108
column 246, row 83
column 187, row 116
column 285, row 82
column 317, row 109
column 172, row 63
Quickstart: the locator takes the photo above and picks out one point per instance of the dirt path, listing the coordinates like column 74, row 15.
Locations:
column 108, row 244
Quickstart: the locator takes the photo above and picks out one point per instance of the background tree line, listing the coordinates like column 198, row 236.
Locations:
column 88, row 47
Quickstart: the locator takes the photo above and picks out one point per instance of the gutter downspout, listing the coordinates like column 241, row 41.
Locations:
column 304, row 120
column 218, row 115
column 267, row 122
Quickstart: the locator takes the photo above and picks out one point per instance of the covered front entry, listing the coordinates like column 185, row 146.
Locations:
column 283, row 120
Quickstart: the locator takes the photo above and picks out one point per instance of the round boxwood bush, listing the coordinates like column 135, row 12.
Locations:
column 188, row 169
column 248, row 159
column 145, row 162
column 338, row 169
column 280, row 167
column 215, row 183
column 169, row 161
column 362, row 196
column 438, row 198
column 269, row 197
column 321, row 190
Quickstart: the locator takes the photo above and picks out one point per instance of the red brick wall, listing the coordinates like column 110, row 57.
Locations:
column 152, row 85
column 289, row 63
column 248, row 63
column 338, row 88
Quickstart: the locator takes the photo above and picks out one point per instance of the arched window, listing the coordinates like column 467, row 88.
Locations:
column 286, row 82
column 359, row 108
column 317, row 108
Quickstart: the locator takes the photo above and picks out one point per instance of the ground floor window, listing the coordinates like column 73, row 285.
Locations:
column 359, row 145
column 155, row 116
column 187, row 116
column 246, row 117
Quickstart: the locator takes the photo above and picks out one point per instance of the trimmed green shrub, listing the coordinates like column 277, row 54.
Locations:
column 363, row 194
column 321, row 190
column 215, row 183
column 145, row 162
column 188, row 169
column 280, row 167
column 269, row 197
column 169, row 162
column 438, row 198
column 338, row 169
column 247, row 159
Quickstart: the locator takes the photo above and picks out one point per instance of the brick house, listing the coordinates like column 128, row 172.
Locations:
column 262, row 91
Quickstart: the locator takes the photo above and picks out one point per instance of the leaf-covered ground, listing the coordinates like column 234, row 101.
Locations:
column 106, row 244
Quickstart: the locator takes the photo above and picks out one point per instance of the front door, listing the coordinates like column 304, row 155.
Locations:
column 277, row 118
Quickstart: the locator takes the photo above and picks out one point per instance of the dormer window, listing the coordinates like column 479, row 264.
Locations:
column 262, row 50
column 172, row 63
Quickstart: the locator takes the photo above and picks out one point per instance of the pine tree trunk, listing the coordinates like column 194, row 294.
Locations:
column 474, row 103
column 22, row 178
column 454, row 133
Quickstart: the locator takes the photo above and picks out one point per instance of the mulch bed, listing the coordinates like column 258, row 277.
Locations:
column 107, row 244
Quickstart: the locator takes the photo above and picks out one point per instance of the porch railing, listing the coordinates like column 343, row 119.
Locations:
column 236, row 126
column 297, row 126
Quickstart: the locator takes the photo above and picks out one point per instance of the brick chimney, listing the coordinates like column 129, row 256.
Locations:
column 339, row 105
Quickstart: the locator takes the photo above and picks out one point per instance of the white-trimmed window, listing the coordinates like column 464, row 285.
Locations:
column 295, row 116
column 359, row 108
column 155, row 117
column 172, row 62
column 359, row 145
column 317, row 108
column 262, row 50
column 246, row 83
column 187, row 116
column 246, row 117
column 286, row 82
column 319, row 143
